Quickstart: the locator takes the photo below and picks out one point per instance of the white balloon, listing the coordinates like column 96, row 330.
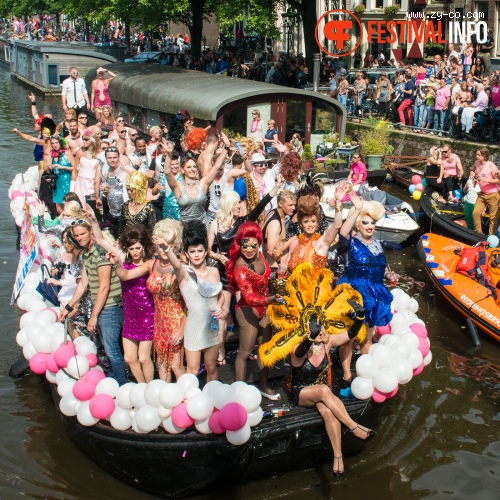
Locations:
column 239, row 437
column 51, row 376
column 137, row 395
column 36, row 307
column 60, row 376
column 397, row 319
column 362, row 388
column 397, row 291
column 56, row 340
column 418, row 320
column 27, row 319
column 210, row 387
column 401, row 302
column 186, row 381
column 169, row 426
column 107, row 386
column 385, row 380
column 123, row 396
column 66, row 387
column 223, row 395
column 383, row 355
column 199, row 407
column 390, row 340
column 164, row 412
column 152, row 392
column 202, row 426
column 42, row 341
column 147, row 418
column 400, row 349
column 69, row 405
column 409, row 316
column 255, row 417
column 78, row 366
column 403, row 370
column 410, row 339
column 428, row 358
column 84, row 416
column 373, row 348
column 249, row 397
column 81, row 339
column 21, row 302
column 383, row 339
column 28, row 350
column 367, row 365
column 121, row 419
column 413, row 305
column 171, row 395
column 192, row 392
column 86, row 347
column 21, row 338
column 236, row 386
column 428, row 340
column 46, row 318
column 136, row 427
column 415, row 358
column 400, row 329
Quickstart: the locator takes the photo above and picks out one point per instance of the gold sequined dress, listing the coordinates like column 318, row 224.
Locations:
column 305, row 252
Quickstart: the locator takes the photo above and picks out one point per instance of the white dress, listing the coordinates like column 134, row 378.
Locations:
column 197, row 332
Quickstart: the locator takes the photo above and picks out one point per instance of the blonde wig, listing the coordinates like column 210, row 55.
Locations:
column 73, row 208
column 169, row 230
column 224, row 215
column 138, row 181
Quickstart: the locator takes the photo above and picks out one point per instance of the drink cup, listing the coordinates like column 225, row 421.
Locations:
column 169, row 146
column 281, row 271
column 393, row 279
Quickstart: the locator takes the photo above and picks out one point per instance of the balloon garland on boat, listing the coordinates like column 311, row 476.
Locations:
column 401, row 353
column 86, row 392
column 417, row 187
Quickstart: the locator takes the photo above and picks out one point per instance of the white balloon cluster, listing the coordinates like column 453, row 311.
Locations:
column 21, row 185
column 401, row 353
column 87, row 394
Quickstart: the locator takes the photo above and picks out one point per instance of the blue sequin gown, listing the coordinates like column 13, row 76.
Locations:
column 63, row 180
column 365, row 273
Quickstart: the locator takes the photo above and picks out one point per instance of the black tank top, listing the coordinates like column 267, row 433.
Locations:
column 274, row 216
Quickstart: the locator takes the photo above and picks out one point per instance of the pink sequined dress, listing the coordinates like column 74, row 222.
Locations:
column 138, row 308
column 87, row 170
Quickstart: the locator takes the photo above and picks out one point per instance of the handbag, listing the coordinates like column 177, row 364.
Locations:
column 47, row 290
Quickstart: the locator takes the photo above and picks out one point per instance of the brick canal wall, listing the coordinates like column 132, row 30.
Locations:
column 412, row 144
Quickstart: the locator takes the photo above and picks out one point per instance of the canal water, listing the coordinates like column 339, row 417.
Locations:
column 438, row 438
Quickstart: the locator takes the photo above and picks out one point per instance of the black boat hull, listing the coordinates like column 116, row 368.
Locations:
column 439, row 222
column 176, row 466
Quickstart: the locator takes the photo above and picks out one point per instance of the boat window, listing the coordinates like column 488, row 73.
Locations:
column 122, row 110
column 295, row 119
column 324, row 120
column 152, row 118
column 136, row 117
column 236, row 120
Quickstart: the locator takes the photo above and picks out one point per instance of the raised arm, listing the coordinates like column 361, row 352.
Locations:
column 259, row 208
column 210, row 177
column 30, row 138
column 34, row 111
column 129, row 274
column 171, row 180
column 357, row 202
column 326, row 241
column 180, row 273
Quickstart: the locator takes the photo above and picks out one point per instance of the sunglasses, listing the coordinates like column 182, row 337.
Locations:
column 217, row 190
column 253, row 246
column 112, row 149
column 134, row 135
column 130, row 189
column 367, row 223
column 445, row 151
column 259, row 165
column 80, row 222
column 83, row 118
column 122, row 132
column 120, row 121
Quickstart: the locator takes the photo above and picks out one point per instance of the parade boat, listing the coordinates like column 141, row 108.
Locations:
column 469, row 297
column 180, row 465
column 448, row 220
column 402, row 175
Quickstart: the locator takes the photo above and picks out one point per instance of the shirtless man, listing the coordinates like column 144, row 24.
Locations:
column 74, row 139
column 204, row 161
column 121, row 144
column 274, row 247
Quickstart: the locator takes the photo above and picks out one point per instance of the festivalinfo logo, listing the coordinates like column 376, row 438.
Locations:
column 421, row 27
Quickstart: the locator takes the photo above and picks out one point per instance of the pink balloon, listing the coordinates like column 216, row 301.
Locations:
column 392, row 393
column 180, row 417
column 233, row 416
column 84, row 389
column 38, row 363
column 419, row 369
column 15, row 194
column 416, row 179
column 102, row 406
column 214, row 423
column 419, row 187
column 419, row 330
column 92, row 361
column 423, row 347
column 94, row 376
column 383, row 330
column 63, row 354
column 378, row 397
column 51, row 363
column 54, row 311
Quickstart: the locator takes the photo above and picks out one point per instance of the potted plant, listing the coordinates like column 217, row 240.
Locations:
column 359, row 9
column 347, row 141
column 391, row 10
column 330, row 139
column 375, row 143
column 307, row 157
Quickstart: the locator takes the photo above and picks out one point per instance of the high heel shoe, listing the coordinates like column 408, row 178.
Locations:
column 369, row 432
column 337, row 474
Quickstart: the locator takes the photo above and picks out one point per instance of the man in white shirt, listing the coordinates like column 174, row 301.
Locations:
column 74, row 93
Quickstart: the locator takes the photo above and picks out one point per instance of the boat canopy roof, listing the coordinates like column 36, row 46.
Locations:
column 168, row 89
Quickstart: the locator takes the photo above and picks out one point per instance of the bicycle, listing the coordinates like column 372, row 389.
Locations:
column 370, row 108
